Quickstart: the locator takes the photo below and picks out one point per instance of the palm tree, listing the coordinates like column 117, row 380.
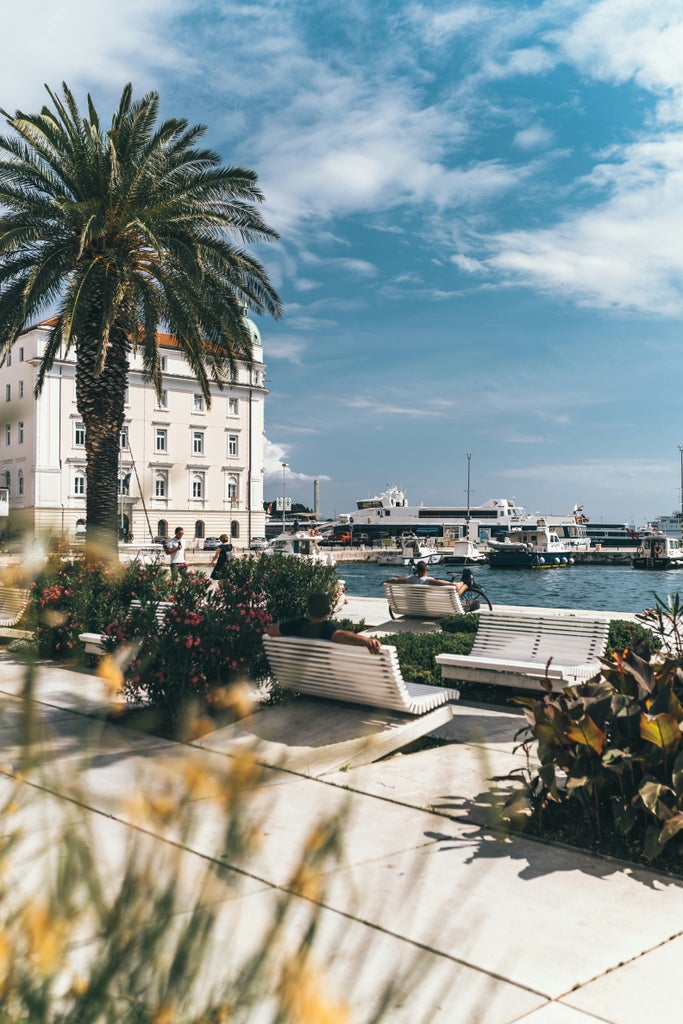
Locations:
column 120, row 232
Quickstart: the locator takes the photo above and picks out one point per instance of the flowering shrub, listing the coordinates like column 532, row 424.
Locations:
column 72, row 597
column 208, row 639
column 281, row 582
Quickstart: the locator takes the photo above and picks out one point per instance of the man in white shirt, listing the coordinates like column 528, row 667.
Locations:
column 176, row 549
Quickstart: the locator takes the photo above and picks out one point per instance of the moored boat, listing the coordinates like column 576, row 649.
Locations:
column 408, row 551
column 658, row 551
column 300, row 545
column 536, row 547
column 463, row 552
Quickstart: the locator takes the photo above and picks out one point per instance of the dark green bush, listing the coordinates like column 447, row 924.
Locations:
column 624, row 635
column 417, row 651
column 281, row 582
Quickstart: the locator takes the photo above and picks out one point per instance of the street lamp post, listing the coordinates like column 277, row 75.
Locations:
column 285, row 467
column 680, row 448
column 469, row 458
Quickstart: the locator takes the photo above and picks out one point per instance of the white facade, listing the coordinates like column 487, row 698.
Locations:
column 184, row 464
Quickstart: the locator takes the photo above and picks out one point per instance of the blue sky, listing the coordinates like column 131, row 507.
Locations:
column 481, row 218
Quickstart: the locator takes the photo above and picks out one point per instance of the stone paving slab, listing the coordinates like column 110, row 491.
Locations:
column 639, row 991
column 542, row 917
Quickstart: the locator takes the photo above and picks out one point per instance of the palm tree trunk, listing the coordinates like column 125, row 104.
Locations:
column 100, row 399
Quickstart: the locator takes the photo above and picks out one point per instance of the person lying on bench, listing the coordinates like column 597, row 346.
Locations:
column 317, row 626
column 421, row 575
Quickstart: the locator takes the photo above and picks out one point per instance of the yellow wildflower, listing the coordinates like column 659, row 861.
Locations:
column 304, row 1000
column 111, row 675
column 45, row 936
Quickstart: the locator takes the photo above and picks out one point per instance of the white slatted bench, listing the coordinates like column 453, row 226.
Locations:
column 513, row 648
column 95, row 642
column 420, row 600
column 321, row 668
column 13, row 601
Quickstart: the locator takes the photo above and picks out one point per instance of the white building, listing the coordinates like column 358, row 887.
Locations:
column 181, row 464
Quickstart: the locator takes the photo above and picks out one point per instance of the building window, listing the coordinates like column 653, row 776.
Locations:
column 233, row 406
column 199, row 529
column 20, row 432
column 126, row 395
column 21, row 355
column 163, row 399
column 8, row 433
column 9, row 358
column 160, row 439
column 197, row 442
column 162, row 528
column 233, row 447
column 197, row 486
column 79, row 482
column 160, row 485
column 232, row 494
column 123, row 440
column 8, row 392
column 198, row 401
column 8, row 480
column 21, row 388
column 234, row 529
column 164, row 364
column 20, row 481
column 79, row 435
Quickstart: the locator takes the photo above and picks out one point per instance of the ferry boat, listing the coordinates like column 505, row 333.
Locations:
column 463, row 552
column 670, row 526
column 657, row 551
column 389, row 514
column 536, row 547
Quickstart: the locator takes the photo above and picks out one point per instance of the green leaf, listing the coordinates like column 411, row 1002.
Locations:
column 661, row 730
column 677, row 775
column 651, row 794
column 625, row 816
column 586, row 732
column 671, row 828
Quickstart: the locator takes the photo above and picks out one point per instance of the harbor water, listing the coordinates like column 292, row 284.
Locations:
column 617, row 588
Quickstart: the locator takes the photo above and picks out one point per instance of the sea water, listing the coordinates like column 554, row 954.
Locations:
column 618, row 588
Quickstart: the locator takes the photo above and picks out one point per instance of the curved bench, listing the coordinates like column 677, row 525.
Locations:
column 321, row 668
column 13, row 602
column 420, row 600
column 513, row 649
column 95, row 642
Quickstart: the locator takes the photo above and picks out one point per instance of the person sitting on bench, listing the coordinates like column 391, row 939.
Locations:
column 317, row 626
column 421, row 575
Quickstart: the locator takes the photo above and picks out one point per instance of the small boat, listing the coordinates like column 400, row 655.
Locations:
column 658, row 551
column 300, row 545
column 536, row 547
column 463, row 552
column 409, row 550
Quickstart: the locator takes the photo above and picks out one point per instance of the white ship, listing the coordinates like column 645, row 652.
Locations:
column 389, row 514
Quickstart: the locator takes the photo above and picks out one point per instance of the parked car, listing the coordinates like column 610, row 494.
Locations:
column 211, row 543
column 258, row 544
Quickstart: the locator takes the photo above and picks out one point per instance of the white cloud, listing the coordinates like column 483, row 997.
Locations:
column 535, row 137
column 625, row 253
column 618, row 40
column 469, row 265
column 273, row 457
column 289, row 347
column 96, row 46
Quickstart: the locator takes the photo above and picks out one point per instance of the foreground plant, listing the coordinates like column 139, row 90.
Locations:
column 135, row 917
column 610, row 749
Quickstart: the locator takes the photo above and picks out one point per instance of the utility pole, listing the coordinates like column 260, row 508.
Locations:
column 469, row 459
column 285, row 467
column 680, row 448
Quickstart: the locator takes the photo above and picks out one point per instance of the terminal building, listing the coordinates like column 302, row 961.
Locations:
column 181, row 463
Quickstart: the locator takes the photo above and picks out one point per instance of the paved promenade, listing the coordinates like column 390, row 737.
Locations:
column 495, row 930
